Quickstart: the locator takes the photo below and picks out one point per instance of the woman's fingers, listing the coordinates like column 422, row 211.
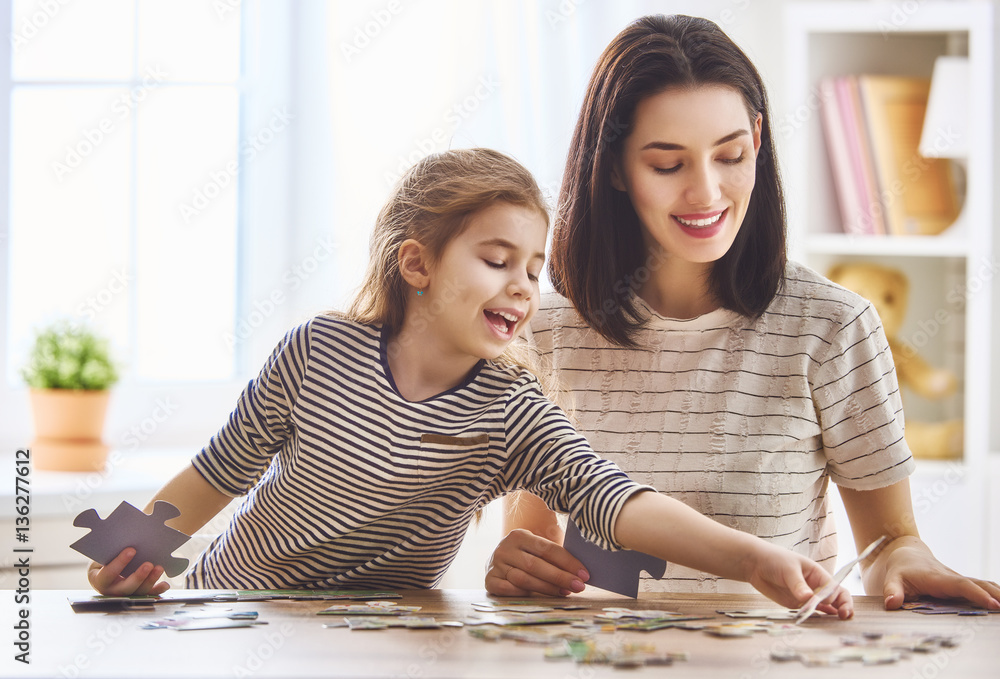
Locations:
column 524, row 563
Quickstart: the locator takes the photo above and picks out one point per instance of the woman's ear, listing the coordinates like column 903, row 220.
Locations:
column 616, row 176
column 414, row 265
column 756, row 132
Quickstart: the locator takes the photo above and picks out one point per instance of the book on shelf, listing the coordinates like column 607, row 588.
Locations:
column 871, row 126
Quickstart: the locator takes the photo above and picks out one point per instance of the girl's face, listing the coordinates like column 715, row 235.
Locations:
column 483, row 289
column 688, row 166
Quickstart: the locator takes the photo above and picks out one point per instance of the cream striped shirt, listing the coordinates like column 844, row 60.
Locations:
column 744, row 420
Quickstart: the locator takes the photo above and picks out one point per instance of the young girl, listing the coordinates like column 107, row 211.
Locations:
column 697, row 357
column 369, row 440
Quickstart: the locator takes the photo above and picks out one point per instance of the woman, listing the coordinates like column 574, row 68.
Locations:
column 693, row 354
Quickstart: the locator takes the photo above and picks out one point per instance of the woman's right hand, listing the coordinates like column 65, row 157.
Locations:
column 524, row 564
column 108, row 580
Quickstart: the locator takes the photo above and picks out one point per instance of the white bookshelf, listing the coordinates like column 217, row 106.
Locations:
column 950, row 274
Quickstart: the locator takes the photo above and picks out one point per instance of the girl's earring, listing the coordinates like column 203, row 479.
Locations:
column 420, row 292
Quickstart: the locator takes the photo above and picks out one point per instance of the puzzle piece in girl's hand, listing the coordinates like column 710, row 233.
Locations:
column 616, row 572
column 127, row 526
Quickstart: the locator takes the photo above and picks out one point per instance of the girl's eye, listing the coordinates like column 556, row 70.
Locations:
column 734, row 161
column 667, row 170
column 533, row 277
column 494, row 265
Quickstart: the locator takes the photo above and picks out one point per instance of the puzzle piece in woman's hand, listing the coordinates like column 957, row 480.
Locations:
column 127, row 526
column 616, row 572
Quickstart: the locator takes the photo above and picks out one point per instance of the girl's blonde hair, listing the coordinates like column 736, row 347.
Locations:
column 432, row 204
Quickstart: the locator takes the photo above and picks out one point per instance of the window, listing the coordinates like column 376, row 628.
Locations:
column 124, row 155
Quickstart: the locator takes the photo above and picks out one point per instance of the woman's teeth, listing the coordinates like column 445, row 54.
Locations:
column 700, row 222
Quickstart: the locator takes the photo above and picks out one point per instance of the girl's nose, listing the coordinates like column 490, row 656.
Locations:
column 520, row 286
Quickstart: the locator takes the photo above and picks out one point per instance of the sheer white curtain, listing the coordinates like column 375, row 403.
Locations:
column 381, row 83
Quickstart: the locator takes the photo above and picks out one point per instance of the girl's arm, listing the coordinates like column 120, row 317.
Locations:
column 667, row 528
column 906, row 567
column 197, row 500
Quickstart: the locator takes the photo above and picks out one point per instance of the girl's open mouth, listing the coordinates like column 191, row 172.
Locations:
column 501, row 321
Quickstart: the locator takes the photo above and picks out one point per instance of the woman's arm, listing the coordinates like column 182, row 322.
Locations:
column 531, row 560
column 197, row 500
column 905, row 568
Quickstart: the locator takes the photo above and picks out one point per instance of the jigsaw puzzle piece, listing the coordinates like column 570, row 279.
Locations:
column 128, row 526
column 616, row 572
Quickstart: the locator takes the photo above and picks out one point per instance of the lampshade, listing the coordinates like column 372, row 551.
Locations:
column 945, row 132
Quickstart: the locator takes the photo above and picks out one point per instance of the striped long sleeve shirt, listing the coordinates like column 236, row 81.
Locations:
column 350, row 485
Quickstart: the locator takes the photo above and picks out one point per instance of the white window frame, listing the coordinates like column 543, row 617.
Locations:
column 184, row 415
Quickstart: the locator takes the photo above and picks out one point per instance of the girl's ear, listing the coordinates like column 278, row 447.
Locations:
column 414, row 264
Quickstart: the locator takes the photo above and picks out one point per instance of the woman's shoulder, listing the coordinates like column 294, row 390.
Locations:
column 554, row 310
column 806, row 290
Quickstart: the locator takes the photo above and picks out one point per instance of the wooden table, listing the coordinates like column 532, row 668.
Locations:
column 295, row 644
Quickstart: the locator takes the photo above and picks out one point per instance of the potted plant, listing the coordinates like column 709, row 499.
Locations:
column 70, row 373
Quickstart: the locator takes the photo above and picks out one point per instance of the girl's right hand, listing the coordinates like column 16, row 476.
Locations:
column 107, row 579
column 790, row 579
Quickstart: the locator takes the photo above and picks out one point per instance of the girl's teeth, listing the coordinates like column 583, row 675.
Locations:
column 700, row 222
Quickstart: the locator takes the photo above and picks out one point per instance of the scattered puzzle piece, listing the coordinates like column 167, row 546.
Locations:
column 936, row 607
column 127, row 526
column 616, row 572
column 369, row 609
column 869, row 649
column 765, row 613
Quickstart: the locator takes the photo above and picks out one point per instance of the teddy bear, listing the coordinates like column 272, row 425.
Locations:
column 888, row 290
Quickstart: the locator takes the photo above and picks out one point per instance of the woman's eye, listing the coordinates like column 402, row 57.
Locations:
column 734, row 161
column 532, row 277
column 494, row 265
column 667, row 170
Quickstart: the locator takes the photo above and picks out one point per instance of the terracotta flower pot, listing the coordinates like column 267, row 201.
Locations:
column 69, row 424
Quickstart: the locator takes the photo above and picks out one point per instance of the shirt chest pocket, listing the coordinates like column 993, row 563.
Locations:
column 446, row 459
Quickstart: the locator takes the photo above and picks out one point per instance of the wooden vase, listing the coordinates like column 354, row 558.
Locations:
column 69, row 424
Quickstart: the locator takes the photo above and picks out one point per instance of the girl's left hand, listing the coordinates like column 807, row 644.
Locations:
column 911, row 570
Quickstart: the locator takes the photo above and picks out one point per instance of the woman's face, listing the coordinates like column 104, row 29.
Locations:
column 688, row 166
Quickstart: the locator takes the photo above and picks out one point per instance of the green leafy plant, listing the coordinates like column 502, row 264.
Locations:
column 66, row 356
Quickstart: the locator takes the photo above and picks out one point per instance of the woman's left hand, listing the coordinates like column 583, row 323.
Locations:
column 912, row 570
